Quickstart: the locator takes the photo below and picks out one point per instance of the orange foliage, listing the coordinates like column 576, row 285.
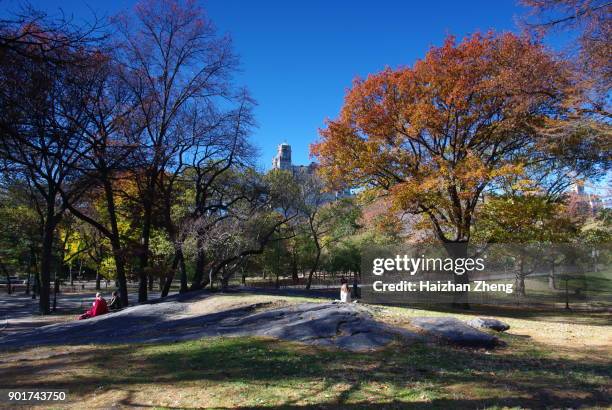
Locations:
column 436, row 134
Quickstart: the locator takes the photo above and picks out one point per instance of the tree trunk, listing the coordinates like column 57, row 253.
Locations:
column 31, row 269
column 520, row 278
column 116, row 242
column 56, row 288
column 314, row 268
column 183, row 272
column 459, row 250
column 178, row 262
column 294, row 270
column 199, row 268
column 209, row 280
column 46, row 261
column 120, row 268
column 36, row 284
column 98, row 279
column 519, row 284
column 551, row 278
column 8, row 278
column 166, row 288
column 144, row 251
column 8, row 282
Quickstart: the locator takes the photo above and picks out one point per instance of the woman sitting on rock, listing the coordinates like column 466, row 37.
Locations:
column 345, row 292
column 99, row 308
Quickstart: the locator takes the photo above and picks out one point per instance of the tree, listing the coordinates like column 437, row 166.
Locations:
column 324, row 219
column 108, row 144
column 260, row 216
column 589, row 51
column 41, row 111
column 530, row 225
column 436, row 135
column 590, row 21
column 216, row 164
column 172, row 61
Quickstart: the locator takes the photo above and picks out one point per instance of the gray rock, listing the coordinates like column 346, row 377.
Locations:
column 363, row 341
column 489, row 323
column 455, row 331
column 346, row 326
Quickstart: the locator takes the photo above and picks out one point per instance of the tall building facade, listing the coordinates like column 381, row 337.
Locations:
column 282, row 160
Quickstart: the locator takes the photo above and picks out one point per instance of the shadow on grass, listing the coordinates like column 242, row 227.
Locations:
column 413, row 377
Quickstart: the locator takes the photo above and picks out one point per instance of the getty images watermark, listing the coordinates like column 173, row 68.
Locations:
column 490, row 274
column 455, row 266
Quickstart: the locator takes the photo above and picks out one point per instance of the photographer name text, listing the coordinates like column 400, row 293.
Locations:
column 440, row 286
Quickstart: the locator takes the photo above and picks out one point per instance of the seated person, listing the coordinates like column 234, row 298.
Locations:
column 115, row 303
column 345, row 292
column 99, row 308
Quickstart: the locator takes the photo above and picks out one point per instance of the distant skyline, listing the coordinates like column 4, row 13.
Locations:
column 299, row 57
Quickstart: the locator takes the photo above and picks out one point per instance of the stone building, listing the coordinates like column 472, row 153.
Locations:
column 282, row 161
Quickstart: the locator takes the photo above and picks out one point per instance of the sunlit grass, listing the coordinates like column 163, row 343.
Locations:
column 251, row 372
column 551, row 358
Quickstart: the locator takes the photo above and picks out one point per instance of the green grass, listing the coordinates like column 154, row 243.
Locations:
column 587, row 291
column 254, row 372
column 553, row 359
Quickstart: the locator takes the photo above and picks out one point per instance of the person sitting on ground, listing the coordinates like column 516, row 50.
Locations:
column 345, row 292
column 115, row 303
column 99, row 308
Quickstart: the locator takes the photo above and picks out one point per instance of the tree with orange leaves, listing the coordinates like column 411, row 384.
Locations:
column 466, row 118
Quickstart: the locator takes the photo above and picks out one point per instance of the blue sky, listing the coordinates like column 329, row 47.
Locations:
column 299, row 57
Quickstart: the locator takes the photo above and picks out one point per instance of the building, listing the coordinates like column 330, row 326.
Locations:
column 282, row 161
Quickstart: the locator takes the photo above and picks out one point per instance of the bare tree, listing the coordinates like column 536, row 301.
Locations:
column 590, row 22
column 258, row 217
column 217, row 147
column 322, row 218
column 171, row 60
column 108, row 145
column 220, row 160
column 41, row 106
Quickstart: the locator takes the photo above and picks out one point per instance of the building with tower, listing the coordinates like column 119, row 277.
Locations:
column 282, row 161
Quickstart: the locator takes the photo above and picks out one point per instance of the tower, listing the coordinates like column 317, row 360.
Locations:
column 282, row 160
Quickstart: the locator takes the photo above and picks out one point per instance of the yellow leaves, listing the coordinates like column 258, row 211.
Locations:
column 522, row 219
column 73, row 243
column 510, row 169
column 415, row 192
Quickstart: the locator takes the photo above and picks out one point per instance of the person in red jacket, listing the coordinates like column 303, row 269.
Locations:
column 99, row 308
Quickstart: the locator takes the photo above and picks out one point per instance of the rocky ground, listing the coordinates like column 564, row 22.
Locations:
column 193, row 316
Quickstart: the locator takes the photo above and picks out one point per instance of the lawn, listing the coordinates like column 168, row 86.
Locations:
column 547, row 362
column 588, row 290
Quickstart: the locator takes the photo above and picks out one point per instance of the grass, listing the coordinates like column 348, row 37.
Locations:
column 546, row 363
column 585, row 291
